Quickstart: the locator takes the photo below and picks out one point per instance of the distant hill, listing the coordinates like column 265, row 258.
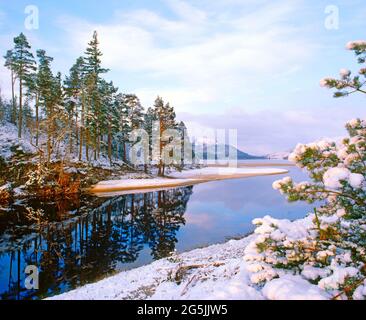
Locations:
column 209, row 152
column 278, row 155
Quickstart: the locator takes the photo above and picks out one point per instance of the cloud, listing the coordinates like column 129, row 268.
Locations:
column 265, row 132
column 250, row 65
column 5, row 44
column 195, row 49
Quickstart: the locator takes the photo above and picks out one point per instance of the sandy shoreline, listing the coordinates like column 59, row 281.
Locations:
column 256, row 164
column 179, row 179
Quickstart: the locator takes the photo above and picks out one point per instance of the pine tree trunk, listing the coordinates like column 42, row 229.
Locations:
column 14, row 113
column 124, row 152
column 49, row 132
column 87, row 131
column 98, row 144
column 109, row 143
column 76, row 129
column 48, row 147
column 70, row 134
column 95, row 144
column 81, row 128
column 20, row 119
column 81, row 144
column 87, row 144
column 160, row 150
column 37, row 120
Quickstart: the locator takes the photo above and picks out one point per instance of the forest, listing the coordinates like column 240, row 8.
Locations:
column 78, row 120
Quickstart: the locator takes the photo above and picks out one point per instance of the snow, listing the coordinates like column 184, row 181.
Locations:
column 71, row 170
column 183, row 178
column 215, row 272
column 356, row 180
column 291, row 287
column 324, row 83
column 360, row 292
column 228, row 271
column 294, row 230
column 5, row 187
column 277, row 185
column 278, row 155
column 333, row 177
column 340, row 274
column 344, row 73
column 353, row 44
column 117, row 187
column 313, row 273
column 19, row 192
column 9, row 140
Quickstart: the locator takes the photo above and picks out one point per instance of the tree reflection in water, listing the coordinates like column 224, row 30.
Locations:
column 77, row 247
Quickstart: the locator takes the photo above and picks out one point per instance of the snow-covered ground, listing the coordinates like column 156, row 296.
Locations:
column 215, row 272
column 11, row 144
column 110, row 188
column 186, row 177
column 9, row 141
column 278, row 155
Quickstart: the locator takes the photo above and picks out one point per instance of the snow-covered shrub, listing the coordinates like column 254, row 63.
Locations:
column 348, row 84
column 328, row 248
column 37, row 178
column 51, row 181
column 36, row 216
column 5, row 194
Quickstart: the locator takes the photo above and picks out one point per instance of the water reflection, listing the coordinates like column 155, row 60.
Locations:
column 79, row 247
column 88, row 239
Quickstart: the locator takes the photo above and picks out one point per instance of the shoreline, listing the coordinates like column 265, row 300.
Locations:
column 215, row 272
column 141, row 283
column 257, row 164
column 179, row 179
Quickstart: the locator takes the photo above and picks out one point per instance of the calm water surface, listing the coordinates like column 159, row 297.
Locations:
column 87, row 240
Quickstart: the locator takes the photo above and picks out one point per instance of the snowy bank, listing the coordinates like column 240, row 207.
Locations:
column 10, row 144
column 184, row 178
column 215, row 272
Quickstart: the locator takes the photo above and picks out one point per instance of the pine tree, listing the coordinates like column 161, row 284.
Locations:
column 186, row 146
column 93, row 70
column 9, row 63
column 166, row 117
column 74, row 91
column 149, row 119
column 84, row 109
column 33, row 94
column 135, row 110
column 60, row 124
column 87, row 111
column 110, row 114
column 50, row 97
column 123, row 123
column 24, row 65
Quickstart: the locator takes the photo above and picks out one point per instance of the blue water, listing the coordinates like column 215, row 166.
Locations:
column 222, row 209
column 86, row 242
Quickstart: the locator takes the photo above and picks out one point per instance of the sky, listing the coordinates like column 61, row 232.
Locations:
column 249, row 65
